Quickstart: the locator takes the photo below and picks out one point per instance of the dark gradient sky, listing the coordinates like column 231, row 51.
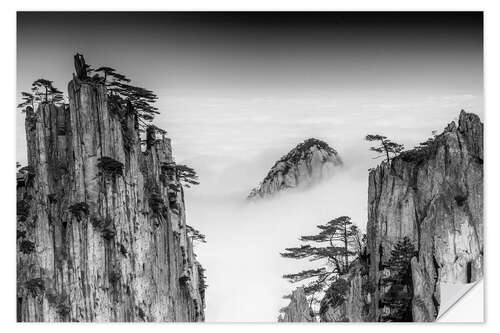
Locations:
column 238, row 90
column 334, row 55
column 294, row 50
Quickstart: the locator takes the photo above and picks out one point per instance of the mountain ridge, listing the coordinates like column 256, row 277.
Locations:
column 306, row 164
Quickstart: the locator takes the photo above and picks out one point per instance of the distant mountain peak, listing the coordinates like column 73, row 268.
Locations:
column 308, row 163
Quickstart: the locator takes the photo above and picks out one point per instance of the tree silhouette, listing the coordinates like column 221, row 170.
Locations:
column 339, row 242
column 124, row 96
column 386, row 146
column 186, row 175
column 399, row 281
column 195, row 235
column 44, row 91
column 27, row 100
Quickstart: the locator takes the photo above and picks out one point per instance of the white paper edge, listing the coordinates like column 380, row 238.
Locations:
column 462, row 303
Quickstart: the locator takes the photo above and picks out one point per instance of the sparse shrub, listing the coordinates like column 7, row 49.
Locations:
column 35, row 286
column 156, row 203
column 25, row 176
column 26, row 246
column 108, row 229
column 79, row 210
column 108, row 233
column 23, row 210
column 202, row 282
column 110, row 166
column 369, row 287
column 96, row 222
column 59, row 301
column 52, row 198
column 335, row 295
column 20, row 234
column 423, row 151
column 128, row 141
column 28, row 170
column 63, row 309
column 141, row 313
column 183, row 279
column 460, row 199
column 172, row 203
column 114, row 277
column 163, row 179
column 106, row 226
column 123, row 250
column 168, row 169
column 174, row 187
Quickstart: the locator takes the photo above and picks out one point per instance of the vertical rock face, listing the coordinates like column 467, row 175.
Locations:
column 298, row 310
column 434, row 196
column 101, row 224
column 308, row 163
column 347, row 307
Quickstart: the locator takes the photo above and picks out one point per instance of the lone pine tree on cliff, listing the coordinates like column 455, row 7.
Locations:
column 386, row 146
column 195, row 234
column 339, row 242
column 121, row 94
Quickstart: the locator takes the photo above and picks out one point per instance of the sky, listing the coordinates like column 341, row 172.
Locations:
column 239, row 90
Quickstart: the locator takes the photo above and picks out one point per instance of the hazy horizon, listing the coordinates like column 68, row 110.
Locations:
column 238, row 91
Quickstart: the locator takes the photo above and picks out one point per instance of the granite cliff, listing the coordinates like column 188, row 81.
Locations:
column 434, row 196
column 429, row 201
column 101, row 230
column 298, row 310
column 307, row 164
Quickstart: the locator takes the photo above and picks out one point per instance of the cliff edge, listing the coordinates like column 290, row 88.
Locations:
column 434, row 196
column 101, row 224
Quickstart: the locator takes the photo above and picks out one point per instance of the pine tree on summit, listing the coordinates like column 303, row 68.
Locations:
column 386, row 146
column 121, row 94
column 42, row 91
column 340, row 242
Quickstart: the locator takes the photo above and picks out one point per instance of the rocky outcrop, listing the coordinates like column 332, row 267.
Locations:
column 298, row 310
column 434, row 196
column 101, row 223
column 307, row 164
column 345, row 299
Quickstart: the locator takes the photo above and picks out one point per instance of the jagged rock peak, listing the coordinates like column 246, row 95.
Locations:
column 101, row 224
column 308, row 163
column 298, row 310
column 432, row 195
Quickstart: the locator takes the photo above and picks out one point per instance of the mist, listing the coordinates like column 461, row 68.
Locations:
column 238, row 91
column 242, row 258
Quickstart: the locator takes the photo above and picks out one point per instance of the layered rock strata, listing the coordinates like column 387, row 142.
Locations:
column 101, row 224
column 434, row 196
column 298, row 310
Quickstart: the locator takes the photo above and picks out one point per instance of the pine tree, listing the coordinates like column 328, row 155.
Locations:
column 339, row 242
column 195, row 234
column 186, row 175
column 121, row 94
column 386, row 146
column 400, row 293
